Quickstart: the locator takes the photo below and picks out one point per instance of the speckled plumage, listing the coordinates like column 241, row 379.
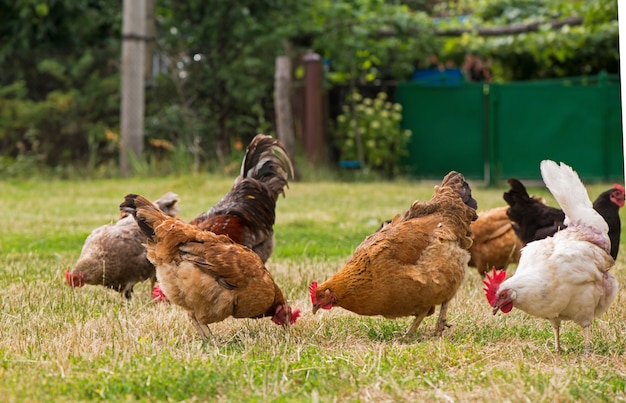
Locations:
column 114, row 255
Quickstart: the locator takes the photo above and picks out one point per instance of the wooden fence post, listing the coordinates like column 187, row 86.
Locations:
column 282, row 102
column 132, row 107
column 314, row 138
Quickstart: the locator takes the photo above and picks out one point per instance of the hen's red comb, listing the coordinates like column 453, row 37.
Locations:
column 492, row 283
column 68, row 278
column 295, row 314
column 619, row 187
column 312, row 291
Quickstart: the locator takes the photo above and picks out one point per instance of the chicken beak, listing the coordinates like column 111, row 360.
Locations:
column 316, row 307
column 496, row 309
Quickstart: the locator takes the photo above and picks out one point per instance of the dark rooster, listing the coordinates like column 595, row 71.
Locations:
column 209, row 275
column 533, row 220
column 248, row 211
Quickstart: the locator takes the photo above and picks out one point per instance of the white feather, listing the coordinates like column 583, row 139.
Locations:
column 571, row 194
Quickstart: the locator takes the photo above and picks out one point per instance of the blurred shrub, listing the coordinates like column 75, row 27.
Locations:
column 373, row 124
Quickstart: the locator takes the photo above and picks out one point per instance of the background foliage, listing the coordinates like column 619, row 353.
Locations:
column 375, row 124
column 214, row 67
column 568, row 51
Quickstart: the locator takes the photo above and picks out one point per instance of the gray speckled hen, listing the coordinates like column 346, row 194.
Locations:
column 114, row 255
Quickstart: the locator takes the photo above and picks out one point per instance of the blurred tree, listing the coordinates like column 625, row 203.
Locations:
column 217, row 61
column 59, row 85
column 586, row 48
column 220, row 60
column 349, row 35
column 213, row 87
column 31, row 31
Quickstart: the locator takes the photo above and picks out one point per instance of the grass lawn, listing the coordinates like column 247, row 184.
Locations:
column 59, row 344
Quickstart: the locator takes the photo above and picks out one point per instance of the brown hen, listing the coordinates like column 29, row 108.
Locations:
column 495, row 242
column 113, row 255
column 412, row 264
column 209, row 275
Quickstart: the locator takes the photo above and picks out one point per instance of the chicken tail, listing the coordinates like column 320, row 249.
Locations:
column 168, row 203
column 568, row 190
column 517, row 194
column 147, row 215
column 456, row 181
column 267, row 160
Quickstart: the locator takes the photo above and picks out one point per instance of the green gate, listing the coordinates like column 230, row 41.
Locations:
column 506, row 130
column 448, row 129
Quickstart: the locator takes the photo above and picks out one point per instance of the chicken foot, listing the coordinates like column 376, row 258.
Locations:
column 442, row 323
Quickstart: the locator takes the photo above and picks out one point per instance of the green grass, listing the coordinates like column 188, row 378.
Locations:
column 59, row 344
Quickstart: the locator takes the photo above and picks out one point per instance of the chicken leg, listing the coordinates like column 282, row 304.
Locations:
column 204, row 330
column 418, row 319
column 556, row 326
column 587, row 332
column 442, row 323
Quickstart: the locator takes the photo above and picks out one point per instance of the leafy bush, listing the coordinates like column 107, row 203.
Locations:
column 586, row 48
column 369, row 131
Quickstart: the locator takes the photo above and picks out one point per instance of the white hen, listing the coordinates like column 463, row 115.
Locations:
column 564, row 277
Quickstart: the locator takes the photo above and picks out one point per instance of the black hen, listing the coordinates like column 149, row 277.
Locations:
column 533, row 220
column 608, row 205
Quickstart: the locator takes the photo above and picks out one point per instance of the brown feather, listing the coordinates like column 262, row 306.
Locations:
column 114, row 255
column 494, row 241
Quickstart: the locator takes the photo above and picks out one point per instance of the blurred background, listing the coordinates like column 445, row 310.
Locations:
column 415, row 88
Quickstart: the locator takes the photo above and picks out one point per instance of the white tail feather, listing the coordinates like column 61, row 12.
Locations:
column 571, row 194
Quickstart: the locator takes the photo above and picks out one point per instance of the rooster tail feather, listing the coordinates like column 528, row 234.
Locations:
column 267, row 160
column 568, row 190
column 147, row 215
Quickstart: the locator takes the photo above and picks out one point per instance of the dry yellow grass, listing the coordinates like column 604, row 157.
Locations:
column 89, row 344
